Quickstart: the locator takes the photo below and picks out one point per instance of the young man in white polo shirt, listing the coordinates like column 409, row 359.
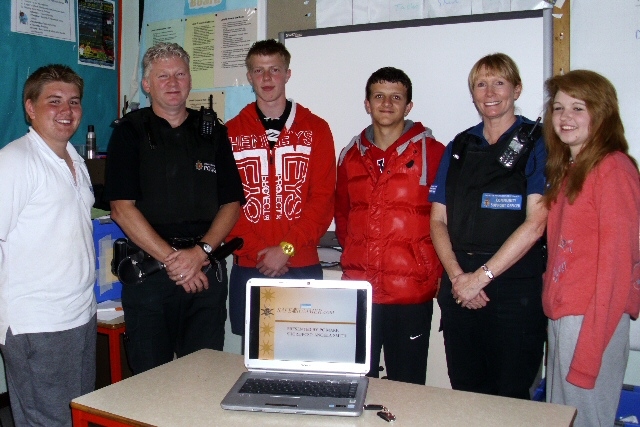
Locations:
column 47, row 258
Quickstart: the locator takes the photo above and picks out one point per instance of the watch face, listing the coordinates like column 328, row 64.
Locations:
column 206, row 247
column 287, row 249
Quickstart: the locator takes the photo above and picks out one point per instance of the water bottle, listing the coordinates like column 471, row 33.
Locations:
column 91, row 143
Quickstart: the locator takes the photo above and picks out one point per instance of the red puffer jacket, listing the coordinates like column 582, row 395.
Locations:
column 383, row 223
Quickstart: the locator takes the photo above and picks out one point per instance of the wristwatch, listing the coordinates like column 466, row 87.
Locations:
column 207, row 248
column 488, row 272
column 287, row 248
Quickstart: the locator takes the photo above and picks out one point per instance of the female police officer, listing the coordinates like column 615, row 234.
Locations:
column 486, row 222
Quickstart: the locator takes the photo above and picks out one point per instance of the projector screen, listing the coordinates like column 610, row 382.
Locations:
column 330, row 67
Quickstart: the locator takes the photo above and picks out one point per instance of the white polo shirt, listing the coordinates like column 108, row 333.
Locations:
column 47, row 257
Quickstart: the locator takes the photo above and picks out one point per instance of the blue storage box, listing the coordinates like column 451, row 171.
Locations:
column 540, row 395
column 629, row 405
column 107, row 286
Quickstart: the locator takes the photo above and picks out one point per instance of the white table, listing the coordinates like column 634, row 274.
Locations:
column 188, row 391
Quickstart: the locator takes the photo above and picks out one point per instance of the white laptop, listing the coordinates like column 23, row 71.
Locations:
column 301, row 335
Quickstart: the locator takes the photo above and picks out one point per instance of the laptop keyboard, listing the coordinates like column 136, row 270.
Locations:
column 346, row 389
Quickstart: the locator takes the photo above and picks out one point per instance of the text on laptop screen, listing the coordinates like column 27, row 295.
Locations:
column 308, row 324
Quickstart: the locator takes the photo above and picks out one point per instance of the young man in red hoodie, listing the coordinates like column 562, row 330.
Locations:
column 287, row 162
column 382, row 223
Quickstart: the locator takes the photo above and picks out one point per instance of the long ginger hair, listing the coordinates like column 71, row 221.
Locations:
column 606, row 132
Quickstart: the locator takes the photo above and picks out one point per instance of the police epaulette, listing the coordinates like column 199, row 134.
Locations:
column 460, row 143
column 119, row 121
column 463, row 132
column 537, row 133
column 131, row 117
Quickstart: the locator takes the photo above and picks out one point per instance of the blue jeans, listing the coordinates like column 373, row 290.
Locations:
column 238, row 289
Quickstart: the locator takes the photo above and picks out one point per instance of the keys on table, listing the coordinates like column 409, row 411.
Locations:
column 383, row 412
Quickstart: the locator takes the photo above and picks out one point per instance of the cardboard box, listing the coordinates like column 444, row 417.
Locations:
column 107, row 286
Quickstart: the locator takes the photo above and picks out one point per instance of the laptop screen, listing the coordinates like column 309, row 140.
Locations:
column 323, row 322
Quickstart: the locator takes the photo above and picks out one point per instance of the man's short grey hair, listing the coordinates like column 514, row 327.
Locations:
column 162, row 50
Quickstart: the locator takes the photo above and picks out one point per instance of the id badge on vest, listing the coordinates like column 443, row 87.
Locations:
column 511, row 202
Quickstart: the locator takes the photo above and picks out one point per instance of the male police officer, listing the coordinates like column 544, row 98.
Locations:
column 176, row 193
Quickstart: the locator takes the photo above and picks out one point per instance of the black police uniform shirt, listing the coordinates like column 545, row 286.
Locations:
column 177, row 177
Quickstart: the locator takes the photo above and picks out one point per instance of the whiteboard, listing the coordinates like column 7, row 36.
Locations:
column 330, row 67
column 606, row 38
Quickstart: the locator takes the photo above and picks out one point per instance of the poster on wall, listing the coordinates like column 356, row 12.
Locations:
column 171, row 31
column 96, row 33
column 45, row 18
column 200, row 43
column 217, row 44
column 235, row 32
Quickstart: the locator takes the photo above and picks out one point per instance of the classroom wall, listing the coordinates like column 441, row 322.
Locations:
column 22, row 54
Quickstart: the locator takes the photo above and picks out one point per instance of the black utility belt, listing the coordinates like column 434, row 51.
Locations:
column 474, row 253
column 183, row 242
column 132, row 265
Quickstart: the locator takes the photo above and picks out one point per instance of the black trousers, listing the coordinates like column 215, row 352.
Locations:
column 403, row 331
column 162, row 319
column 496, row 349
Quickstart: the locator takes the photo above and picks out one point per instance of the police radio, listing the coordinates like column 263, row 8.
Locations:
column 519, row 145
column 208, row 119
